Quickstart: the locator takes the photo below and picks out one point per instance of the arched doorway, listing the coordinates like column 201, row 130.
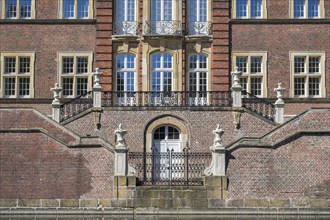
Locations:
column 167, row 138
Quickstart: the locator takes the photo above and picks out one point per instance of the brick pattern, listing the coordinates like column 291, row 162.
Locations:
column 199, row 123
column 299, row 107
column 35, row 166
column 297, row 169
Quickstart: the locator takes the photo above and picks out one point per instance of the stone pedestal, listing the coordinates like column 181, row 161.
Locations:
column 279, row 111
column 97, row 97
column 237, row 95
column 56, row 111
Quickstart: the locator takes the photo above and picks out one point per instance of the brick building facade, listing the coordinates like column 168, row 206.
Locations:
column 167, row 79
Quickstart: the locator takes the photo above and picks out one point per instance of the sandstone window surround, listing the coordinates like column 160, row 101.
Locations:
column 306, row 9
column 75, row 73
column 17, row 75
column 75, row 9
column 249, row 9
column 307, row 74
column 254, row 68
column 17, row 9
column 161, row 72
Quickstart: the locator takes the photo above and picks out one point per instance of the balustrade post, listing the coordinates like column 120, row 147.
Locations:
column 97, row 89
column 218, row 164
column 121, row 151
column 56, row 104
column 237, row 89
column 279, row 104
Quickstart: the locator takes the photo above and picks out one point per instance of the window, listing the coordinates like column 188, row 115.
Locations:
column 125, row 79
column 17, row 72
column 307, row 74
column 125, row 18
column 198, row 18
column 75, row 72
column 307, row 8
column 253, row 66
column 76, row 9
column 18, row 9
column 249, row 9
column 162, row 71
column 198, row 78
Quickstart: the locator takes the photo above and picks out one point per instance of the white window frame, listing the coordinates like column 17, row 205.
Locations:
column 3, row 10
column 161, row 70
column 74, row 74
column 248, row 75
column 308, row 75
column 198, row 71
column 61, row 10
column 16, row 74
column 321, row 10
column 162, row 11
column 248, row 16
column 125, row 26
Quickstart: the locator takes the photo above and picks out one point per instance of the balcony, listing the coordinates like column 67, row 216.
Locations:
column 199, row 28
column 126, row 28
column 166, row 99
column 163, row 28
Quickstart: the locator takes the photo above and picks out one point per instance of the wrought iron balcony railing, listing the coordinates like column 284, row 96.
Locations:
column 199, row 28
column 162, row 28
column 167, row 99
column 258, row 105
column 126, row 28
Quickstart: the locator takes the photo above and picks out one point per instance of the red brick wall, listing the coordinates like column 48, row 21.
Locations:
column 298, row 168
column 36, row 166
column 278, row 40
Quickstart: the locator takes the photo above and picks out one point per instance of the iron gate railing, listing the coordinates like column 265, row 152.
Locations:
column 170, row 168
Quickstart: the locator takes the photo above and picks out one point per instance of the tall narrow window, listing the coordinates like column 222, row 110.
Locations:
column 76, row 9
column 22, row 9
column 307, row 8
column 75, row 74
column 125, row 79
column 198, row 18
column 126, row 23
column 17, row 75
column 249, row 8
column 308, row 73
column 253, row 66
column 198, row 77
column 162, row 71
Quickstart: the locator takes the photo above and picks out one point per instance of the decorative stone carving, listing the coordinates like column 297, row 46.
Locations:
column 56, row 91
column 218, row 164
column 120, row 141
column 97, row 89
column 237, row 88
column 97, row 119
column 279, row 104
column 237, row 74
column 97, row 76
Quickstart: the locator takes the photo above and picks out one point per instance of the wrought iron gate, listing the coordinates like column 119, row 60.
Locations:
column 170, row 168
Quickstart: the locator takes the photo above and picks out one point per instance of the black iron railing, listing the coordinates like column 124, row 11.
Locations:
column 76, row 105
column 126, row 28
column 167, row 99
column 258, row 105
column 170, row 168
column 199, row 28
column 162, row 27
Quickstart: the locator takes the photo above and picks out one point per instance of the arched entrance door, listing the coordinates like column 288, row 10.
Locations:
column 167, row 152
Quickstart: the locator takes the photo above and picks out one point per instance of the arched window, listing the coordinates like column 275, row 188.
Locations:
column 125, row 78
column 161, row 72
column 198, row 78
column 166, row 133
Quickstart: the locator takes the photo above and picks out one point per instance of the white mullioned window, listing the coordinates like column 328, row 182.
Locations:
column 307, row 9
column 307, row 75
column 75, row 73
column 76, row 9
column 18, row 9
column 125, row 78
column 17, row 73
column 161, row 72
column 125, row 17
column 254, row 68
column 249, row 9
